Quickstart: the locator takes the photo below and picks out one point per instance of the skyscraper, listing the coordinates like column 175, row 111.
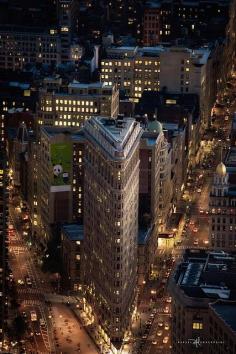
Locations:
column 111, row 221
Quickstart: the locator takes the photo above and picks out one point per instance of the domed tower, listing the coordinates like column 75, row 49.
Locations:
column 220, row 183
column 154, row 126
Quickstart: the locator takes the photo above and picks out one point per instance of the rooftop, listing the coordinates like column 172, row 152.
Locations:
column 73, row 232
column 92, row 85
column 143, row 236
column 226, row 310
column 76, row 134
column 115, row 136
column 207, row 274
column 198, row 56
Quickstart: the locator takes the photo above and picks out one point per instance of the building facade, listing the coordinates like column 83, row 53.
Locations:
column 111, row 222
column 222, row 211
column 22, row 45
column 71, row 107
column 72, row 249
column 172, row 69
column 151, row 24
column 60, row 182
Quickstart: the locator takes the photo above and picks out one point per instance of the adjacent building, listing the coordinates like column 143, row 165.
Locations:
column 151, row 24
column 72, row 237
column 60, row 178
column 203, row 295
column 72, row 105
column 30, row 42
column 170, row 69
column 222, row 205
column 111, row 187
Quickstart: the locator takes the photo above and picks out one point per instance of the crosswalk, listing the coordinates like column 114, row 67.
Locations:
column 31, row 302
column 31, row 291
column 17, row 250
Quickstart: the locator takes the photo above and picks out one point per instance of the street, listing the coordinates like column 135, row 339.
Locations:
column 155, row 308
column 55, row 329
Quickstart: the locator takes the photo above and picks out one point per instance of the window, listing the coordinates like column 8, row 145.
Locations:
column 197, row 325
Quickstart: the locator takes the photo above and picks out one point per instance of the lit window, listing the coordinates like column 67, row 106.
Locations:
column 197, row 325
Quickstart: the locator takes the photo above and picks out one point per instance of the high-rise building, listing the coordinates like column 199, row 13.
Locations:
column 111, row 188
column 169, row 69
column 60, row 181
column 136, row 69
column 67, row 11
column 71, row 107
column 151, row 24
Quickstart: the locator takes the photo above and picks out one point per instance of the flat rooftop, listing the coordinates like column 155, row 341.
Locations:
column 144, row 235
column 73, row 232
column 92, row 85
column 226, row 311
column 207, row 274
column 76, row 134
column 115, row 136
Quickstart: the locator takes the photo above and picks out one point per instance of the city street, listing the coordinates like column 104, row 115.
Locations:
column 56, row 329
column 156, row 318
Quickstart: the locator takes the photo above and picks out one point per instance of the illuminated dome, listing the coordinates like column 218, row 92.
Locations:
column 154, row 126
column 221, row 169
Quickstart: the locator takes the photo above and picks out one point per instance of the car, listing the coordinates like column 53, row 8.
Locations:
column 28, row 281
column 166, row 309
column 159, row 333
column 178, row 242
column 38, row 333
column 33, row 316
column 42, row 322
column 195, row 229
column 166, row 326
column 206, row 242
column 154, row 342
column 199, row 190
column 165, row 340
column 195, row 242
column 152, row 315
column 168, row 300
column 144, row 336
column 20, row 282
column 160, row 324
